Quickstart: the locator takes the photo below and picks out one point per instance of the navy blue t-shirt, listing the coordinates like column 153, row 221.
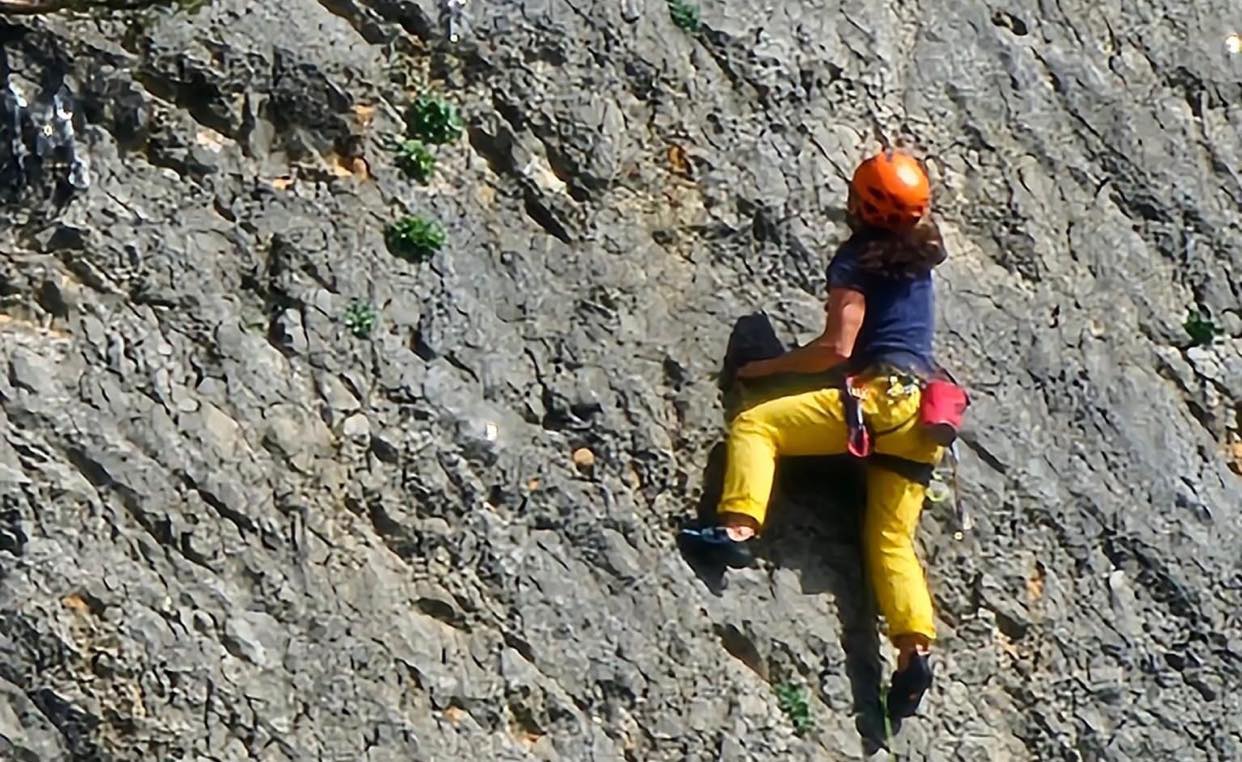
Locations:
column 900, row 313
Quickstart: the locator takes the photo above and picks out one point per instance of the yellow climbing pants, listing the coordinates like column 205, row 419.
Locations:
column 813, row 423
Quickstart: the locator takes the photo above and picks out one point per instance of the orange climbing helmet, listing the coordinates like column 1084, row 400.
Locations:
column 889, row 190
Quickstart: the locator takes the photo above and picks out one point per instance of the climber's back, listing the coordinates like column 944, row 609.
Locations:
column 889, row 259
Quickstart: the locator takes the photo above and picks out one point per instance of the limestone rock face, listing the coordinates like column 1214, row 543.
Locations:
column 272, row 490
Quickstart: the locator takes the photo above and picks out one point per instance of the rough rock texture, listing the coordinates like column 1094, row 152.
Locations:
column 231, row 529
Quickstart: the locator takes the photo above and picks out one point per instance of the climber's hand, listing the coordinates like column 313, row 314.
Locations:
column 754, row 369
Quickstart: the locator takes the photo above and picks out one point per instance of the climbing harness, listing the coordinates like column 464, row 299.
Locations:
column 941, row 411
column 859, row 441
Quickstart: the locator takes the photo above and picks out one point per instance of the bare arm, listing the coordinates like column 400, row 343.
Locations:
column 846, row 308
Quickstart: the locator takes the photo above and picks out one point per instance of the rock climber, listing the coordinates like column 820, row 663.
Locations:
column 879, row 331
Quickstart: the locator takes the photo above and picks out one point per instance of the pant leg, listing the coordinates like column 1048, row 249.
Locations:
column 893, row 507
column 811, row 423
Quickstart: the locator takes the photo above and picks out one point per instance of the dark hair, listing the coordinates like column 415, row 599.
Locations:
column 910, row 252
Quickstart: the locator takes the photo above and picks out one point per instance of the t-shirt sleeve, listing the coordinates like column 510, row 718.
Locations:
column 843, row 270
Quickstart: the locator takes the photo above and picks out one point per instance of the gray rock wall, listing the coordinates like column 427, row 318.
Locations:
column 233, row 529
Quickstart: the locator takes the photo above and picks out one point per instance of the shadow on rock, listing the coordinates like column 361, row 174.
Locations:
column 814, row 524
column 815, row 527
column 709, row 570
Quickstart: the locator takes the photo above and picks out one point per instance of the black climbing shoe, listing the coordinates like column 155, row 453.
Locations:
column 715, row 542
column 908, row 687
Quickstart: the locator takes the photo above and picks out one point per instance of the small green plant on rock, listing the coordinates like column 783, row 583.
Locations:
column 416, row 160
column 433, row 120
column 415, row 238
column 1201, row 328
column 685, row 15
column 360, row 318
column 794, row 703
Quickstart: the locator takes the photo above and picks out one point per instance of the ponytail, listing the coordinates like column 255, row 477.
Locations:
column 909, row 253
